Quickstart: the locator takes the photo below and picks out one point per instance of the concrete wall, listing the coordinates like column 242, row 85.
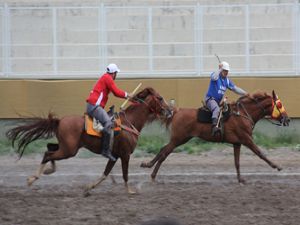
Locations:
column 182, row 47
column 50, row 41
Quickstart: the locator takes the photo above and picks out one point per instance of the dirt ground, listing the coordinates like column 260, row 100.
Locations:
column 192, row 189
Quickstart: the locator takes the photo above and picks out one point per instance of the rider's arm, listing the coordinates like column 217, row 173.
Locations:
column 114, row 89
column 239, row 90
column 215, row 75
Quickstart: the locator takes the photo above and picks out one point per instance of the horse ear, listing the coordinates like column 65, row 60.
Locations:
column 274, row 95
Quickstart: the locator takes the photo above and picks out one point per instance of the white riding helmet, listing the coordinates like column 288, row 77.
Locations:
column 225, row 66
column 112, row 68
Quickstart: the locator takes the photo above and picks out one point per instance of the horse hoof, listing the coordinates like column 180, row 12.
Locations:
column 30, row 180
column 242, row 182
column 144, row 165
column 48, row 171
column 86, row 193
column 131, row 192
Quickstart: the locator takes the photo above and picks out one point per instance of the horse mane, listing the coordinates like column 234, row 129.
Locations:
column 142, row 95
column 249, row 97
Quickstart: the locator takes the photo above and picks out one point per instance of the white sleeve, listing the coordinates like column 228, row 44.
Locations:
column 239, row 91
column 215, row 75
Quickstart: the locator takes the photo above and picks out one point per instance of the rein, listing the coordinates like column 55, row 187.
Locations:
column 132, row 129
column 272, row 122
column 245, row 110
column 248, row 116
column 139, row 100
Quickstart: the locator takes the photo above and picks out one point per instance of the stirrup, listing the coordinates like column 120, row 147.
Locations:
column 215, row 131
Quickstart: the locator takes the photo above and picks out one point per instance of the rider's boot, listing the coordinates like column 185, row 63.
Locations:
column 106, row 151
column 215, row 129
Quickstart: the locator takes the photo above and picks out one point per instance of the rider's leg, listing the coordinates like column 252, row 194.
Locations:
column 215, row 109
column 106, row 139
column 100, row 114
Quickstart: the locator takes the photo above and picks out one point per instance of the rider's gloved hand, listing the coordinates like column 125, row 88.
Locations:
column 220, row 66
column 130, row 95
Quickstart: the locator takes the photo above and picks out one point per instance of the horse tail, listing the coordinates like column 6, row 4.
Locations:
column 40, row 128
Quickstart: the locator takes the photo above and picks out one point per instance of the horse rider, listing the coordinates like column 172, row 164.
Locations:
column 219, row 82
column 96, row 103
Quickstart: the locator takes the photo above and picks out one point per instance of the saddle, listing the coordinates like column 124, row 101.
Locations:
column 93, row 127
column 204, row 114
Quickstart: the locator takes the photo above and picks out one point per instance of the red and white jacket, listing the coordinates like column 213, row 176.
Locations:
column 101, row 90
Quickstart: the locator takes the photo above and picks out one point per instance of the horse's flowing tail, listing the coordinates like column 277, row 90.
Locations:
column 39, row 128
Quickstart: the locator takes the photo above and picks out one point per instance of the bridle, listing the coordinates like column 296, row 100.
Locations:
column 275, row 104
column 157, row 106
column 239, row 105
column 132, row 129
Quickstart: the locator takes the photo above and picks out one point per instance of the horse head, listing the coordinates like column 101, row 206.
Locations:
column 278, row 111
column 154, row 102
column 268, row 106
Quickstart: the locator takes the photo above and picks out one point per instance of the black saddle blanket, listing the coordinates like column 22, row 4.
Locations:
column 204, row 115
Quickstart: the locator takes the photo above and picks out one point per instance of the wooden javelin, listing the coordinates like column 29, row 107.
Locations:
column 124, row 103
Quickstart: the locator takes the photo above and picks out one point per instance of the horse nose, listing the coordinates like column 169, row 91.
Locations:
column 286, row 121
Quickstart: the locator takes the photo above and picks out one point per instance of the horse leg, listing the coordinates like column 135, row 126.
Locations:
column 254, row 148
column 237, row 150
column 37, row 175
column 125, row 162
column 165, row 151
column 61, row 153
column 51, row 148
column 112, row 178
column 110, row 164
column 51, row 169
column 154, row 160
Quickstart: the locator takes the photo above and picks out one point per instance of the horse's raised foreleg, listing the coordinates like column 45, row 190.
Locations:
column 110, row 164
column 258, row 152
column 237, row 150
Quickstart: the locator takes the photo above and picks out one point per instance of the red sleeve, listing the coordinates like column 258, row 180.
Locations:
column 114, row 89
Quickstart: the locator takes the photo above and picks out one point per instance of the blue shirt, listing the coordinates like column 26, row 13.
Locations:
column 218, row 86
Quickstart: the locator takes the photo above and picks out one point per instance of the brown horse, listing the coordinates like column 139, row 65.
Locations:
column 147, row 106
column 244, row 114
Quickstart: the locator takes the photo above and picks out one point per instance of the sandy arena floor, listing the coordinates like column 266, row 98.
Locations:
column 194, row 190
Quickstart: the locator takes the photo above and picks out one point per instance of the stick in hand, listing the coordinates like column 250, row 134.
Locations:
column 124, row 103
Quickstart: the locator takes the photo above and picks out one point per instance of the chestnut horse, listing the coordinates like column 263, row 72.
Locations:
column 245, row 113
column 147, row 106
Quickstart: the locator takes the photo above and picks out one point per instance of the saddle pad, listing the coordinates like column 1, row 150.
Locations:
column 88, row 125
column 204, row 115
